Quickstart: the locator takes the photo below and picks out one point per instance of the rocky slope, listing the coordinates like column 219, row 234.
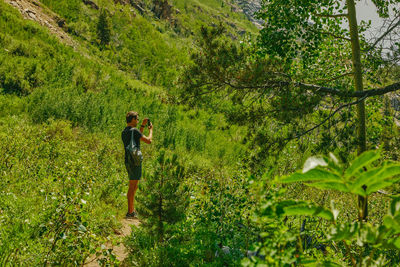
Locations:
column 33, row 10
column 249, row 8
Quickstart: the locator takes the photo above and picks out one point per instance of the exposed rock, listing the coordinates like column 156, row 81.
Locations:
column 91, row 4
column 235, row 8
column 133, row 12
column 137, row 6
column 27, row 11
column 32, row 10
column 249, row 8
column 30, row 13
column 395, row 103
column 61, row 23
column 162, row 9
column 14, row 4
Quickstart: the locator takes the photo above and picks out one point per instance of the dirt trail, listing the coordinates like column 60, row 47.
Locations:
column 120, row 250
column 34, row 10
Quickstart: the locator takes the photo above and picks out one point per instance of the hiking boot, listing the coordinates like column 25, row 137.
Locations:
column 131, row 215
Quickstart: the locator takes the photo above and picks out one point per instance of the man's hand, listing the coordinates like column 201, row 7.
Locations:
column 144, row 122
column 150, row 126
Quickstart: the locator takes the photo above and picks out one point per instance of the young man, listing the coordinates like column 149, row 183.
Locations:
column 134, row 172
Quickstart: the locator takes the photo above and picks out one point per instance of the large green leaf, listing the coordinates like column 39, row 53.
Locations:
column 358, row 191
column 367, row 176
column 339, row 186
column 286, row 203
column 362, row 161
column 375, row 178
column 344, row 231
column 309, row 210
column 371, row 188
column 388, row 172
column 396, row 242
column 312, row 175
column 395, row 207
column 391, row 223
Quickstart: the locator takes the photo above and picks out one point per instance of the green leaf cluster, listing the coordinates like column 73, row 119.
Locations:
column 361, row 177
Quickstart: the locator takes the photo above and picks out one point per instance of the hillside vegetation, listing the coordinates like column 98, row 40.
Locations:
column 219, row 185
column 63, row 108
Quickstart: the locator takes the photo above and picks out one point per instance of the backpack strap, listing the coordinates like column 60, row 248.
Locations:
column 132, row 138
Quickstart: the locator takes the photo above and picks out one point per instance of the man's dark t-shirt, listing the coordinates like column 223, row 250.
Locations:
column 126, row 138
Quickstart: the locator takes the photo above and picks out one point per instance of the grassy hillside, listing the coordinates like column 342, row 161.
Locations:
column 63, row 182
column 61, row 113
column 147, row 47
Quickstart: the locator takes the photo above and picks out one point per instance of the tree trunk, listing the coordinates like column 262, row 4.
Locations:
column 358, row 84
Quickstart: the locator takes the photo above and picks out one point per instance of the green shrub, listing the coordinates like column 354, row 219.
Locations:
column 59, row 170
column 354, row 242
column 103, row 28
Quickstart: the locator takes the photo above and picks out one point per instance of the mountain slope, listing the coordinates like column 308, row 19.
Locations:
column 62, row 108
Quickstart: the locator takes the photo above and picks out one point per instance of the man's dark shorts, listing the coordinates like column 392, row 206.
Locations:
column 134, row 172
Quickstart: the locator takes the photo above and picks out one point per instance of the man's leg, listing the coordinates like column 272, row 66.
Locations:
column 133, row 185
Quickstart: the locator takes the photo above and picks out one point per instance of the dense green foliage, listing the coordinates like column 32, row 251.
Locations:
column 227, row 124
column 70, row 110
column 165, row 197
column 161, row 206
column 359, row 243
column 59, row 192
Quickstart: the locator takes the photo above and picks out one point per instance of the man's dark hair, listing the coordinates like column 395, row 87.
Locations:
column 130, row 115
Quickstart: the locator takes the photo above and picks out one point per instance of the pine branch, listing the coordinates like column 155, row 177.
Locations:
column 334, row 78
column 327, row 118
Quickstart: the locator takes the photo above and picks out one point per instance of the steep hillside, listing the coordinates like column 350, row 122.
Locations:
column 150, row 40
column 33, row 10
column 62, row 107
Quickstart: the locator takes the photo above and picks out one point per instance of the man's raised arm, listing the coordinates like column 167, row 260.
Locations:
column 148, row 139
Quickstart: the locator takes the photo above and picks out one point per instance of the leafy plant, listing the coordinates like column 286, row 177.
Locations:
column 364, row 243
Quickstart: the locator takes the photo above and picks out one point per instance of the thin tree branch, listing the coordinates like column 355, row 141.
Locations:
column 312, row 87
column 330, row 116
column 337, row 36
column 334, row 78
column 331, row 15
column 383, row 36
column 215, row 89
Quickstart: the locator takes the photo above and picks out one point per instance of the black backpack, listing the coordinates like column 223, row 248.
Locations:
column 135, row 156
